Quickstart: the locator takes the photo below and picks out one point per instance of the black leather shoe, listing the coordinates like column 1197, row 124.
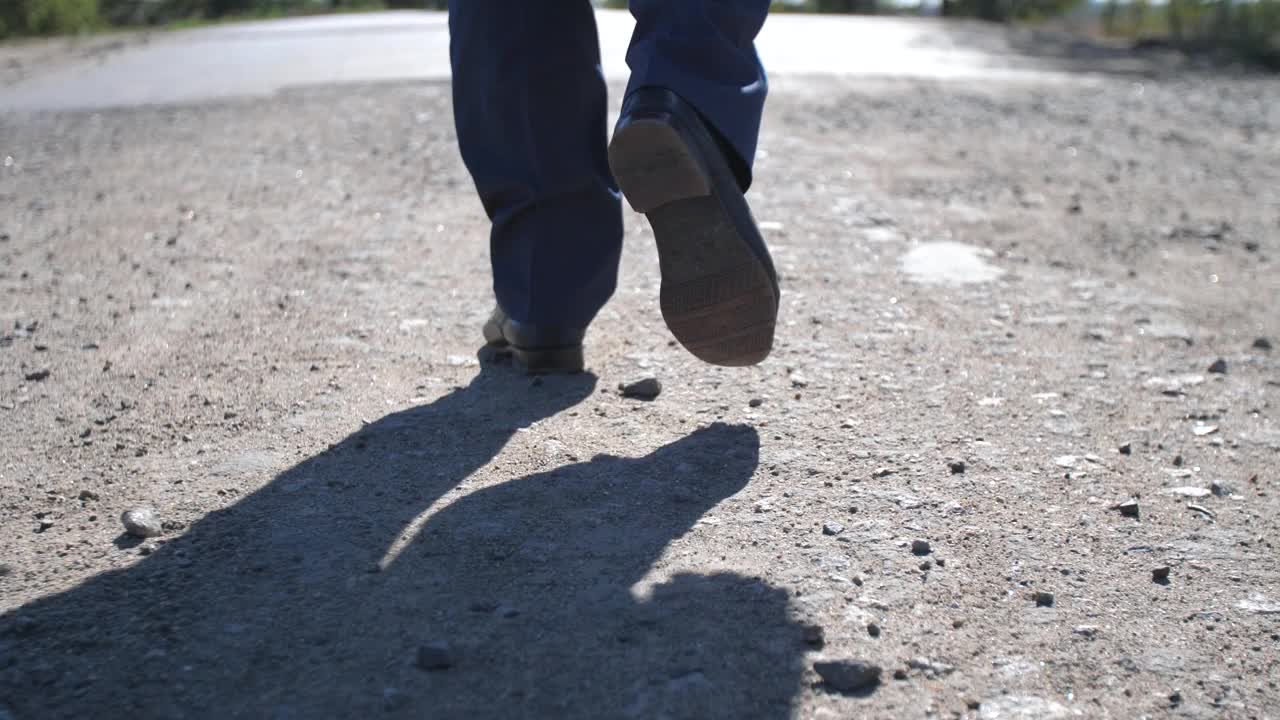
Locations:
column 719, row 289
column 538, row 348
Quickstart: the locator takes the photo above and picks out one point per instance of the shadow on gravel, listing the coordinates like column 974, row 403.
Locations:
column 319, row 597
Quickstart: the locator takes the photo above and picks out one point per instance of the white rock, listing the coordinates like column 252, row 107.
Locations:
column 141, row 522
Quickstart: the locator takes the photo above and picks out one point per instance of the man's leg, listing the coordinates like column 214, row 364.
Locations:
column 529, row 106
column 704, row 51
column 682, row 155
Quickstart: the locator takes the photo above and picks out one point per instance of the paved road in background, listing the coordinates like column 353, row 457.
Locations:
column 261, row 58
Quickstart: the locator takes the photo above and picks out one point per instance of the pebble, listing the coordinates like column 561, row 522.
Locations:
column 1128, row 508
column 1066, row 461
column 1219, row 367
column 848, row 675
column 813, row 636
column 393, row 699
column 755, row 402
column 646, row 389
column 1221, row 489
column 37, row 376
column 1126, row 449
column 1188, row 491
column 1088, row 631
column 1262, row 344
column 957, row 467
column 1160, row 574
column 920, row 547
column 141, row 522
column 88, row 495
column 45, row 525
column 832, row 528
column 929, row 667
column 1043, row 598
column 926, row 565
column 435, row 656
column 873, row 630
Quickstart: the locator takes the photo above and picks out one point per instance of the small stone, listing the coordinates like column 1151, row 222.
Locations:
column 940, row 562
column 1175, row 698
column 37, row 376
column 1160, row 574
column 873, row 630
column 957, row 467
column 900, row 674
column 1086, row 631
column 920, row 547
column 1177, row 461
column 1220, row 489
column 930, row 667
column 88, row 495
column 1126, row 449
column 1262, row 344
column 1188, row 491
column 957, row 623
column 393, row 699
column 1043, row 598
column 799, row 381
column 146, row 548
column 848, row 676
column 435, row 656
column 646, row 389
column 882, row 472
column 926, row 565
column 832, row 528
column 1218, row 367
column 141, row 522
column 1128, row 508
column 755, row 402
column 814, row 637
column 44, row 525
column 1066, row 461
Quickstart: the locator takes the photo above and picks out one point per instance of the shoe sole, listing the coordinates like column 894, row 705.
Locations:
column 718, row 297
column 544, row 361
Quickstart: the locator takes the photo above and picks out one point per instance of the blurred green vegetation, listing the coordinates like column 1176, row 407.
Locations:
column 1247, row 29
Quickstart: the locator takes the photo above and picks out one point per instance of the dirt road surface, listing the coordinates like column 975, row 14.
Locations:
column 1010, row 306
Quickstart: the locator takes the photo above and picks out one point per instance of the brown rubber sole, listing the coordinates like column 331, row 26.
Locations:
column 717, row 296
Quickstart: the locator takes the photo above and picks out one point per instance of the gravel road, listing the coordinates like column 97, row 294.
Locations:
column 1008, row 309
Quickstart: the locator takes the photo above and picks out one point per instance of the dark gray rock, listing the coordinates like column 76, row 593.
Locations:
column 920, row 547
column 957, row 467
column 832, row 528
column 1262, row 344
column 848, row 675
column 1129, row 508
column 755, row 402
column 435, row 656
column 37, row 376
column 1126, row 449
column 646, row 389
column 1220, row 489
column 1043, row 598
column 1160, row 575
column 814, row 636
column 1219, row 367
column 141, row 522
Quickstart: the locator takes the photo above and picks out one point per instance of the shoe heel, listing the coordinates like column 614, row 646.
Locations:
column 653, row 166
column 545, row 361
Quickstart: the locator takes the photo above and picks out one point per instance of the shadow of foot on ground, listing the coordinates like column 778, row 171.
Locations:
column 313, row 597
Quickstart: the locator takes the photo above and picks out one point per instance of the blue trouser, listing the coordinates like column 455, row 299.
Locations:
column 530, row 108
